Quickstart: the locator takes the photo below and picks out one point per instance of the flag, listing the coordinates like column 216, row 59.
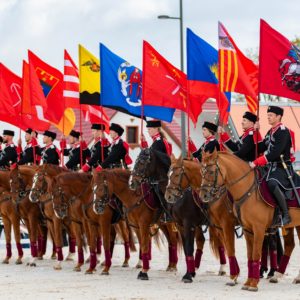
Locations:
column 279, row 62
column 237, row 73
column 11, row 102
column 89, row 77
column 121, row 88
column 202, row 74
column 46, row 87
column 67, row 122
column 96, row 114
column 71, row 82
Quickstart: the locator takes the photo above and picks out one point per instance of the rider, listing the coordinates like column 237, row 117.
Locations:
column 278, row 143
column 118, row 153
column 9, row 154
column 50, row 154
column 99, row 150
column 245, row 147
column 208, row 130
column 30, row 154
column 73, row 153
column 159, row 143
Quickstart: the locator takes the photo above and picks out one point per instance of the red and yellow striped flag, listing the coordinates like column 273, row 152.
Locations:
column 237, row 73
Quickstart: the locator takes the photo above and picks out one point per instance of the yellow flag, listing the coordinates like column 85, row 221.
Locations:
column 89, row 77
column 67, row 122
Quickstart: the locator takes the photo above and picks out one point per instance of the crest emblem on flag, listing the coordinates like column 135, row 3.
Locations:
column 130, row 79
column 290, row 70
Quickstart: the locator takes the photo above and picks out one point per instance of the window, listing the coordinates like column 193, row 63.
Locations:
column 132, row 135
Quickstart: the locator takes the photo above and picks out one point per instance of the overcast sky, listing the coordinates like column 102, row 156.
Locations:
column 47, row 27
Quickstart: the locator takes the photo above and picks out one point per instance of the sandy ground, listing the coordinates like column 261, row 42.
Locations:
column 42, row 282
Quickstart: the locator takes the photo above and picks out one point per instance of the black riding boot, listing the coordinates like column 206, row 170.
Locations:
column 280, row 199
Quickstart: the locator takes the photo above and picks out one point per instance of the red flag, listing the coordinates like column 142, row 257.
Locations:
column 164, row 84
column 46, row 87
column 279, row 62
column 237, row 73
column 96, row 114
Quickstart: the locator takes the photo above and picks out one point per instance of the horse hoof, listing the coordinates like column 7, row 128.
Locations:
column 103, row 264
column 271, row 273
column 70, row 257
column 125, row 265
column 245, row 287
column 19, row 261
column 253, row 289
column 57, row 268
column 296, row 280
column 171, row 269
column 77, row 269
column 232, row 283
column 221, row 273
column 5, row 261
column 143, row 276
column 187, row 278
column 33, row 264
column 40, row 258
column 104, row 272
column 90, row 271
column 138, row 266
column 273, row 279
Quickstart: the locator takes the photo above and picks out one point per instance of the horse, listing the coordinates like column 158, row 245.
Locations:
column 255, row 215
column 72, row 197
column 185, row 173
column 10, row 218
column 20, row 184
column 41, row 193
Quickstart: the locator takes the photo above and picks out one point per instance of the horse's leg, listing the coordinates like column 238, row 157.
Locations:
column 272, row 247
column 99, row 243
column 7, row 231
column 249, row 244
column 106, row 234
column 93, row 233
column 125, row 236
column 174, row 239
column 33, row 224
column 297, row 279
column 15, row 220
column 42, row 239
column 258, row 238
column 72, row 242
column 50, row 227
column 264, row 256
column 139, row 263
column 79, row 241
column 57, row 235
column 289, row 245
column 200, row 240
column 145, row 240
column 188, row 234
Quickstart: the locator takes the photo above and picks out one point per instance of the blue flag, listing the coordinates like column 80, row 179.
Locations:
column 121, row 88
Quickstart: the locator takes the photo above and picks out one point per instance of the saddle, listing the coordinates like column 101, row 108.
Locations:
column 151, row 201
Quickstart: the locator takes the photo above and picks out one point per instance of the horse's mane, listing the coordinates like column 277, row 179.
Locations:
column 121, row 174
column 56, row 168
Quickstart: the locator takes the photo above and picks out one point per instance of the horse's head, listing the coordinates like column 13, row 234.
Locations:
column 17, row 182
column 39, row 185
column 60, row 199
column 102, row 191
column 141, row 170
column 212, row 178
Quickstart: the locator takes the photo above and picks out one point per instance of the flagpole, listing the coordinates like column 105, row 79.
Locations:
column 81, row 134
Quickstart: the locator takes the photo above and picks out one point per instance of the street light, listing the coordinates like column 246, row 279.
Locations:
column 180, row 18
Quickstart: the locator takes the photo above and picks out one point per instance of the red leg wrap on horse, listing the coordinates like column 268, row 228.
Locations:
column 255, row 269
column 233, row 265
column 198, row 257
column 222, row 255
column 93, row 259
column 190, row 264
column 150, row 251
column 273, row 259
column 250, row 273
column 174, row 255
column 127, row 250
column 107, row 258
column 145, row 259
column 283, row 264
column 44, row 245
column 264, row 258
column 20, row 250
column 8, row 250
column 99, row 245
column 60, row 256
column 80, row 256
column 72, row 245
column 34, row 249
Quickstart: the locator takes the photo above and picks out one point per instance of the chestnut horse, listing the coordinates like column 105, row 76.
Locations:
column 72, row 197
column 41, row 193
column 10, row 218
column 187, row 173
column 20, row 183
column 256, row 216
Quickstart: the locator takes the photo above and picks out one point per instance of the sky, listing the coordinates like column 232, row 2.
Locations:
column 47, row 27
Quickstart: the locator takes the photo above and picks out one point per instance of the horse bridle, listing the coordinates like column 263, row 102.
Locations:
column 104, row 200
column 22, row 192
column 43, row 189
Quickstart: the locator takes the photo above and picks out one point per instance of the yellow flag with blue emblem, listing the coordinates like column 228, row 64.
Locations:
column 89, row 77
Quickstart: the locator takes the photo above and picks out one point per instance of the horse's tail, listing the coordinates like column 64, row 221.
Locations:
column 131, row 238
column 156, row 234
column 179, row 240
column 215, row 242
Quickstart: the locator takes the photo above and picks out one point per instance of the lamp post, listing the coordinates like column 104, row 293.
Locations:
column 180, row 18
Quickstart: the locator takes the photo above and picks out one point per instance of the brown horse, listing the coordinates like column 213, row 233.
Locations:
column 10, row 218
column 20, row 183
column 187, row 173
column 140, row 216
column 72, row 197
column 41, row 193
column 256, row 216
